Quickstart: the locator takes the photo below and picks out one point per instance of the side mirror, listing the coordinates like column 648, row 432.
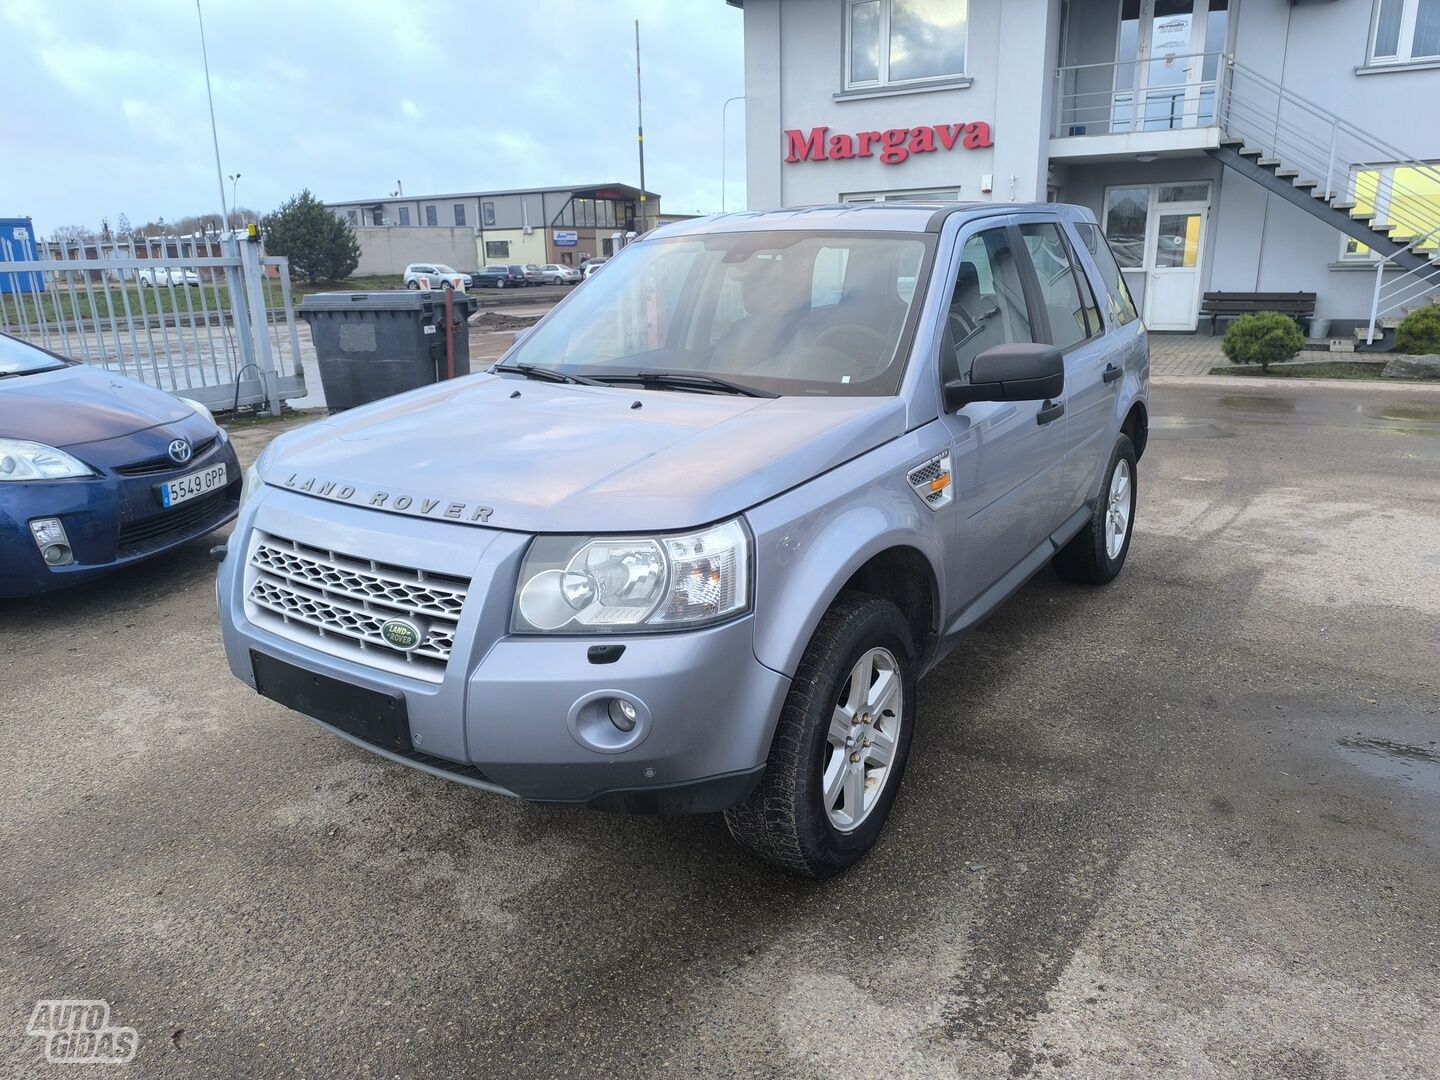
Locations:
column 1022, row 371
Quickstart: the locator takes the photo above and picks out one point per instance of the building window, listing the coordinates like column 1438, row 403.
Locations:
column 377, row 217
column 404, row 215
column 1404, row 197
column 459, row 213
column 430, row 217
column 1405, row 30
column 354, row 217
column 497, row 249
column 904, row 41
column 900, row 196
column 1127, row 211
column 487, row 213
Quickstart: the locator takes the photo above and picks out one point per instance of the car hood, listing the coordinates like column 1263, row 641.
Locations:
column 539, row 457
column 80, row 404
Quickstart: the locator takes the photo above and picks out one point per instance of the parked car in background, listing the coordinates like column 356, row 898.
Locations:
column 556, row 274
column 151, row 276
column 700, row 561
column 438, row 275
column 500, row 277
column 533, row 274
column 593, row 265
column 98, row 471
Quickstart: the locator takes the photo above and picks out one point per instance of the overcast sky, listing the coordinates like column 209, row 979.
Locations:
column 102, row 105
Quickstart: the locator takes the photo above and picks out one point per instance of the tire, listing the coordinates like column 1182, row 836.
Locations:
column 449, row 286
column 1092, row 556
column 500, row 283
column 412, row 285
column 787, row 819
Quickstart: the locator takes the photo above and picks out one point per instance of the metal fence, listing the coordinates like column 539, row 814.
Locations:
column 212, row 320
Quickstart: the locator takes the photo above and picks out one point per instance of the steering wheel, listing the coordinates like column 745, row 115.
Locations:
column 847, row 343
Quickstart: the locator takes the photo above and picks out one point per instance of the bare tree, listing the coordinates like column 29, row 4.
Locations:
column 72, row 234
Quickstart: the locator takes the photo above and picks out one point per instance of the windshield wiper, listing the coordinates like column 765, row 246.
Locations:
column 544, row 374
column 686, row 380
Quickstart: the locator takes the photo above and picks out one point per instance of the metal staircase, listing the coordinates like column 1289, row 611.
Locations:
column 1337, row 172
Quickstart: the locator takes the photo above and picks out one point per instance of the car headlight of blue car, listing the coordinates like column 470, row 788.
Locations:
column 21, row 460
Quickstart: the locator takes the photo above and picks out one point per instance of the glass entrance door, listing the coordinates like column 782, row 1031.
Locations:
column 1167, row 61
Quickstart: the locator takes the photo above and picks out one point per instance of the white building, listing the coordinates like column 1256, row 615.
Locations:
column 1225, row 145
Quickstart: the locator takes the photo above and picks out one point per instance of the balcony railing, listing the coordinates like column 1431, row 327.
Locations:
column 1183, row 92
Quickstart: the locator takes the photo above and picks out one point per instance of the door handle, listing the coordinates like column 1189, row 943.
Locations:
column 1112, row 373
column 1051, row 410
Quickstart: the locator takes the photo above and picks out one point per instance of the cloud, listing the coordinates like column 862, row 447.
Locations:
column 112, row 115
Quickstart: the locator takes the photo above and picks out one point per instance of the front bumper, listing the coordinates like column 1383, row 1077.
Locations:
column 112, row 520
column 524, row 716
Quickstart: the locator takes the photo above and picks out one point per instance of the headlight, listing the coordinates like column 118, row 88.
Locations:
column 252, row 480
column 200, row 409
column 603, row 585
column 20, row 460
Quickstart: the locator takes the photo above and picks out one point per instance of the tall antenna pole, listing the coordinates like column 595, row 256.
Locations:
column 214, row 135
column 639, row 128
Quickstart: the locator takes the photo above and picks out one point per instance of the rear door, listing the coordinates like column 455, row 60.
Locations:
column 1079, row 330
column 1005, row 454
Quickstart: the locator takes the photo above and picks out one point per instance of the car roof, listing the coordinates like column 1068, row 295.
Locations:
column 918, row 216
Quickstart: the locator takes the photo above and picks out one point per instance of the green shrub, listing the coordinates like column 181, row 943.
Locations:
column 1264, row 338
column 1419, row 332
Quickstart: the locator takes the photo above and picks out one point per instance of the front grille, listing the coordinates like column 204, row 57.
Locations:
column 338, row 603
column 139, row 536
column 163, row 463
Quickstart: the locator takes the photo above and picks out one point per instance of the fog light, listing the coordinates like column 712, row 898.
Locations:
column 50, row 538
column 623, row 714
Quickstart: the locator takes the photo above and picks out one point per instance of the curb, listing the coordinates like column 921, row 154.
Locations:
column 1351, row 386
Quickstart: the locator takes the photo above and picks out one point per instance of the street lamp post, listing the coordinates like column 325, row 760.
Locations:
column 724, row 145
column 234, row 198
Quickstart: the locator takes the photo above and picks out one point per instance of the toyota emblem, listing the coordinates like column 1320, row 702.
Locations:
column 180, row 451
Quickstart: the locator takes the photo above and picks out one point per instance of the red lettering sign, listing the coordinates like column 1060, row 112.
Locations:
column 894, row 144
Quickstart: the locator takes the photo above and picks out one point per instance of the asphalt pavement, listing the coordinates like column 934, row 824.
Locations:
column 1187, row 825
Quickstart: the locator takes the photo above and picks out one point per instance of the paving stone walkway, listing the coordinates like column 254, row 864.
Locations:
column 1184, row 354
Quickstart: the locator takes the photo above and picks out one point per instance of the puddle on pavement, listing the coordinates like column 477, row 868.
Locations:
column 1179, row 427
column 1414, row 766
column 1410, row 414
column 1255, row 403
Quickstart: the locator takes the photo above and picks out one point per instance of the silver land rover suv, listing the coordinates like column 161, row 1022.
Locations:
column 691, row 543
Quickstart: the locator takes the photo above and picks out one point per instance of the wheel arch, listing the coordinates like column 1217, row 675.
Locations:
column 863, row 548
column 1137, row 426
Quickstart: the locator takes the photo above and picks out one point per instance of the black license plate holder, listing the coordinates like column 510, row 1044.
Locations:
column 373, row 716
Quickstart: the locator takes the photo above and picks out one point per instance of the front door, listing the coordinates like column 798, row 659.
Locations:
column 1172, row 295
column 1167, row 61
column 1157, row 232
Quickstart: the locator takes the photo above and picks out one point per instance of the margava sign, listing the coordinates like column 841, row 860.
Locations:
column 893, row 145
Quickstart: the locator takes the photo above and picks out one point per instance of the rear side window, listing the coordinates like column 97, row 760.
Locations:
column 987, row 305
column 1064, row 289
column 1121, row 306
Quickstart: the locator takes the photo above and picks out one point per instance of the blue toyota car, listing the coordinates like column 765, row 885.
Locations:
column 98, row 471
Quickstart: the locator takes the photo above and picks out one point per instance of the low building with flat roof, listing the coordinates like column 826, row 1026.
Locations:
column 562, row 225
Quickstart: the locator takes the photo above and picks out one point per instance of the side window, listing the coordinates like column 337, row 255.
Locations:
column 987, row 307
column 1121, row 306
column 1073, row 315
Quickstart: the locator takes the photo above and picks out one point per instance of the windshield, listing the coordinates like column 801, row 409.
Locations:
column 441, row 268
column 17, row 358
column 788, row 312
